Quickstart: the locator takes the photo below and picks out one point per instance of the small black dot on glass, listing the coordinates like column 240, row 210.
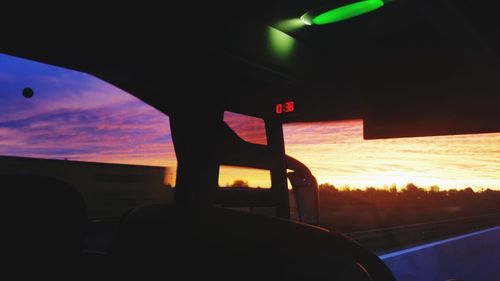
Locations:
column 28, row 93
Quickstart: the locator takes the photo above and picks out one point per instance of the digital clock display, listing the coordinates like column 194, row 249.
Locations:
column 285, row 107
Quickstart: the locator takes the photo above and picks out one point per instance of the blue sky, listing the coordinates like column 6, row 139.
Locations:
column 77, row 116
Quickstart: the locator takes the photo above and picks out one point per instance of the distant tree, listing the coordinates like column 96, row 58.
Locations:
column 327, row 186
column 345, row 188
column 371, row 189
column 413, row 192
column 411, row 188
column 434, row 188
column 239, row 183
column 393, row 188
column 468, row 191
column 489, row 191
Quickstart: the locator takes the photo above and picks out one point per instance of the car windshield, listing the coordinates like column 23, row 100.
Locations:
column 419, row 203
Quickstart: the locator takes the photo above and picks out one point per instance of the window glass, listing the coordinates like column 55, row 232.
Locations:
column 250, row 129
column 449, row 182
column 113, row 147
column 231, row 176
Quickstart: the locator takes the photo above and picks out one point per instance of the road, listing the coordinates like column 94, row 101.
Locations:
column 473, row 257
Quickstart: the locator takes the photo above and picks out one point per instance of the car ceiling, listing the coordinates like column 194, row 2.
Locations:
column 441, row 57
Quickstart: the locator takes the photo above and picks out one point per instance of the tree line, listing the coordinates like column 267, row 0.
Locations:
column 352, row 209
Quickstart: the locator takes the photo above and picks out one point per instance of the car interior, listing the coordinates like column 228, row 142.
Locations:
column 409, row 68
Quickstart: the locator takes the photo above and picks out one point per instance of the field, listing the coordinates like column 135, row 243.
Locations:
column 384, row 219
column 108, row 189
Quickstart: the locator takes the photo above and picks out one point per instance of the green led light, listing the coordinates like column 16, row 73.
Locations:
column 281, row 44
column 320, row 17
column 289, row 25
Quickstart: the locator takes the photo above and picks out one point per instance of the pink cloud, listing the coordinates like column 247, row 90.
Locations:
column 250, row 129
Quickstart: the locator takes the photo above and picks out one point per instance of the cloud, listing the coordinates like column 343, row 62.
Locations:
column 105, row 130
column 250, row 129
column 337, row 153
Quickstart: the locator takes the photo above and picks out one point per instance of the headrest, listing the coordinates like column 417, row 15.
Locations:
column 41, row 217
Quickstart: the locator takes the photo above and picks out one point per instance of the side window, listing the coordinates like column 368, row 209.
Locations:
column 250, row 129
column 231, row 176
column 246, row 181
column 115, row 149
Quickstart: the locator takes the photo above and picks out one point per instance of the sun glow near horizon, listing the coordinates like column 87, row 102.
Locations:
column 337, row 153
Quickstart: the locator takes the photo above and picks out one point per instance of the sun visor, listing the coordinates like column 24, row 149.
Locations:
column 427, row 115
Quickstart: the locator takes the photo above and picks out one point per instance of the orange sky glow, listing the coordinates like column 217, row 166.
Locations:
column 337, row 153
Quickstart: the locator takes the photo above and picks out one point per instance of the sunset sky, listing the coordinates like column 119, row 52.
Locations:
column 79, row 117
column 337, row 153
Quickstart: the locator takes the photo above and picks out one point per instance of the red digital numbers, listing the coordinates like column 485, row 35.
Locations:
column 285, row 107
column 279, row 108
column 289, row 106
